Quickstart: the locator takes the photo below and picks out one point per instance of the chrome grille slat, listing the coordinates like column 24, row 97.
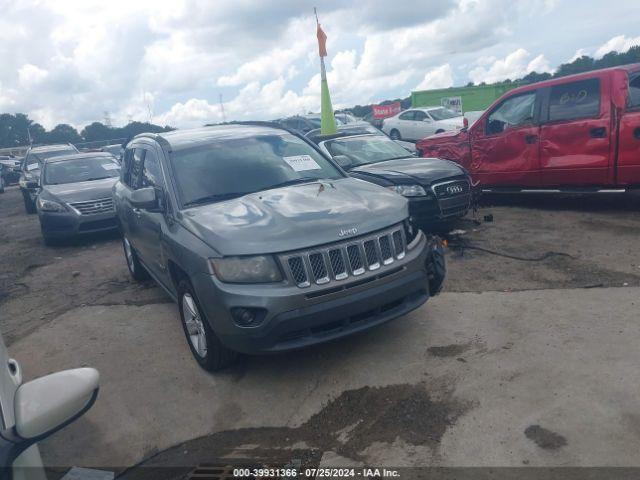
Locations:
column 318, row 268
column 345, row 259
column 338, row 266
column 385, row 250
column 93, row 207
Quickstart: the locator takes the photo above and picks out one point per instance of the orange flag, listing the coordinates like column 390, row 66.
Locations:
column 322, row 42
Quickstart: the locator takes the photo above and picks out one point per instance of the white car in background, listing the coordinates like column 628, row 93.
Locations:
column 416, row 123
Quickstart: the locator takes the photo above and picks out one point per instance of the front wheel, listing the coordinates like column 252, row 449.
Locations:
column 205, row 346
column 137, row 271
column 395, row 134
column 436, row 267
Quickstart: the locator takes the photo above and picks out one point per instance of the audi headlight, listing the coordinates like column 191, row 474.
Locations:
column 258, row 269
column 50, row 205
column 409, row 190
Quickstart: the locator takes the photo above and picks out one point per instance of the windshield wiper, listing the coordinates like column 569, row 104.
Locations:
column 94, row 178
column 218, row 197
column 294, row 181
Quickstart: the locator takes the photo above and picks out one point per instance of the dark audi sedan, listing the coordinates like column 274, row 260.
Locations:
column 75, row 195
column 437, row 190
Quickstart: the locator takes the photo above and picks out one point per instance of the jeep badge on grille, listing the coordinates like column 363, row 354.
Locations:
column 347, row 232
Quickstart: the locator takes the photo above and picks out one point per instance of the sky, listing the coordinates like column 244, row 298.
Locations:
column 182, row 62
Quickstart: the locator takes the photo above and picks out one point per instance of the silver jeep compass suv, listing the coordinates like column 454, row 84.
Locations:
column 266, row 244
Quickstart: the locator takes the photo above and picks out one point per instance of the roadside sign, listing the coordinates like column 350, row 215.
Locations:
column 452, row 103
column 384, row 111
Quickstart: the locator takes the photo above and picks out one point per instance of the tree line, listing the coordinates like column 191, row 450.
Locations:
column 19, row 129
column 582, row 64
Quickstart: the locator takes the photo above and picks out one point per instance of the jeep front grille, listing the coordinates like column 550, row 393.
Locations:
column 345, row 259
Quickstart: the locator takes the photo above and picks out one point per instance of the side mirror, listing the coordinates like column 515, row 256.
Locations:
column 49, row 403
column 343, row 161
column 144, row 198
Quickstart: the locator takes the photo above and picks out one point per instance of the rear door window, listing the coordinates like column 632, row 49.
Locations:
column 572, row 100
column 407, row 115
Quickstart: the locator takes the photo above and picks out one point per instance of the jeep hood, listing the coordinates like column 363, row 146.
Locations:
column 420, row 170
column 295, row 217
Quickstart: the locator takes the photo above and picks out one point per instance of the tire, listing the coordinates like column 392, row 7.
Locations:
column 29, row 205
column 436, row 267
column 395, row 134
column 205, row 346
column 137, row 271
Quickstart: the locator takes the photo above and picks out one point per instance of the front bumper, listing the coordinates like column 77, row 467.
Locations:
column 69, row 223
column 296, row 319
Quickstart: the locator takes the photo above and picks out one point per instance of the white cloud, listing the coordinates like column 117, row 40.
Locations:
column 579, row 53
column 439, row 77
column 69, row 62
column 620, row 43
column 31, row 75
column 515, row 65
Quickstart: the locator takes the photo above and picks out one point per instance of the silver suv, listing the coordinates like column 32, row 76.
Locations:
column 266, row 244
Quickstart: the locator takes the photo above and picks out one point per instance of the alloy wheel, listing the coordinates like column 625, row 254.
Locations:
column 194, row 325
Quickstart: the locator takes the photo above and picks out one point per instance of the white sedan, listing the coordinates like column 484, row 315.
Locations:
column 416, row 123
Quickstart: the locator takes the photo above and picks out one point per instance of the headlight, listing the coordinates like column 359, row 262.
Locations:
column 409, row 190
column 50, row 205
column 259, row 269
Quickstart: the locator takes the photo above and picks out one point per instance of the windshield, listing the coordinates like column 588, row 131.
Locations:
column 232, row 167
column 443, row 114
column 80, row 170
column 366, row 149
column 34, row 159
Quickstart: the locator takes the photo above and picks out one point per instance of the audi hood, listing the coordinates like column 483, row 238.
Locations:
column 295, row 217
column 411, row 169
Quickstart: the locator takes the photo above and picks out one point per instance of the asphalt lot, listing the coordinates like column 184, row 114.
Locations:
column 529, row 357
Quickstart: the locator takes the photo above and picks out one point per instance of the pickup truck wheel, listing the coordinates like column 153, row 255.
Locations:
column 29, row 205
column 137, row 271
column 395, row 135
column 205, row 346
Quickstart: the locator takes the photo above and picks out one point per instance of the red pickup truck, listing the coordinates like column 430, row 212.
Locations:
column 575, row 133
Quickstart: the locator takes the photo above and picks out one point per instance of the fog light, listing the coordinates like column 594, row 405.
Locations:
column 248, row 317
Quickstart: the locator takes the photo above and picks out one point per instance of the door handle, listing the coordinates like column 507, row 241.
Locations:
column 531, row 139
column 599, row 132
column 636, row 133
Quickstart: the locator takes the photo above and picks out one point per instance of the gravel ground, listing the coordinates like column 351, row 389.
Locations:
column 361, row 399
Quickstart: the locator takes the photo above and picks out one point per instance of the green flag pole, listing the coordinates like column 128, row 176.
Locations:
column 328, row 120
